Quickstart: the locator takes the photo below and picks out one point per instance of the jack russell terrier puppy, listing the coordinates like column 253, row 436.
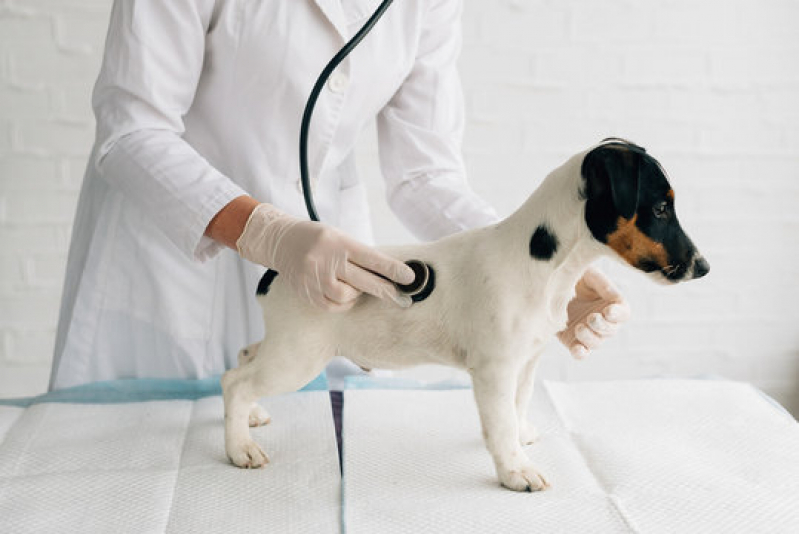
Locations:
column 493, row 298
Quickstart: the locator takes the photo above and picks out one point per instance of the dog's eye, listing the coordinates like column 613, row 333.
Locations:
column 661, row 210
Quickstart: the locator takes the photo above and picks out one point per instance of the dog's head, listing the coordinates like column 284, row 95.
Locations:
column 630, row 208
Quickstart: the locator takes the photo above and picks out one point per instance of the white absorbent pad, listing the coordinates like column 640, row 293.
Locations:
column 642, row 456
column 161, row 467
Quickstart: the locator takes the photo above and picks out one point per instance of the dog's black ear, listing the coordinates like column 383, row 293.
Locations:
column 625, row 180
column 616, row 168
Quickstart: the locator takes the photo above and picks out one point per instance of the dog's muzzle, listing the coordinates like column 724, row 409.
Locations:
column 695, row 268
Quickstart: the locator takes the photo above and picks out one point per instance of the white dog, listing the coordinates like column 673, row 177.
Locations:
column 499, row 295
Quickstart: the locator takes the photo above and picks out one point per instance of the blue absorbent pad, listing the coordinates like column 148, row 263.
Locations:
column 392, row 382
column 140, row 390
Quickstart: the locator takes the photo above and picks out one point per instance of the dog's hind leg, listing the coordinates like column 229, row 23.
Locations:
column 239, row 394
column 524, row 393
column 280, row 366
column 258, row 414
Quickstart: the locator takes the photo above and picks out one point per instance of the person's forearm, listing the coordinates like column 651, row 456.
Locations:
column 227, row 225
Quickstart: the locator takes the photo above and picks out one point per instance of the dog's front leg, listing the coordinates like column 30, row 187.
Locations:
column 527, row 432
column 495, row 393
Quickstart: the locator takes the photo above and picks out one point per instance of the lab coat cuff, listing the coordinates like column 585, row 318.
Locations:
column 204, row 247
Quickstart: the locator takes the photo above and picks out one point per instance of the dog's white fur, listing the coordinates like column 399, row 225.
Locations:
column 493, row 309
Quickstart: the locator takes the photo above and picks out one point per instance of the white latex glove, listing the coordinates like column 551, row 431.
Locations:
column 595, row 313
column 322, row 264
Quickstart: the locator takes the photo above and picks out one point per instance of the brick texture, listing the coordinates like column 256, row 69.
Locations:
column 710, row 88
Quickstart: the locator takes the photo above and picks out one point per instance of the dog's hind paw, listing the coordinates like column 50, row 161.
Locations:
column 527, row 433
column 523, row 478
column 248, row 454
column 258, row 415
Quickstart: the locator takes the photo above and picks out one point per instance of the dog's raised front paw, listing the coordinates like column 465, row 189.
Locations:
column 523, row 478
column 247, row 454
column 258, row 415
column 527, row 433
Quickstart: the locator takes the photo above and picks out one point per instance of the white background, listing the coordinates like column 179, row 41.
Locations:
column 709, row 87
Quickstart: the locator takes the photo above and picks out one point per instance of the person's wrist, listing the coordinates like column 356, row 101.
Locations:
column 263, row 233
column 228, row 224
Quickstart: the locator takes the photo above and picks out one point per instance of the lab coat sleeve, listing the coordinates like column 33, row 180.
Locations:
column 420, row 132
column 153, row 59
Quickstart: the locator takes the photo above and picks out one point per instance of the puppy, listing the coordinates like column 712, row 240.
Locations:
column 498, row 295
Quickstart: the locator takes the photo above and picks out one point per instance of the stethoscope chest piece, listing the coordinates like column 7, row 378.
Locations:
column 423, row 283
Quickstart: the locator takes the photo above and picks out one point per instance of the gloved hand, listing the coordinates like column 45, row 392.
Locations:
column 322, row 264
column 595, row 313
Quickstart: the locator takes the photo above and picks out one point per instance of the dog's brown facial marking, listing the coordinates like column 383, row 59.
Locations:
column 637, row 248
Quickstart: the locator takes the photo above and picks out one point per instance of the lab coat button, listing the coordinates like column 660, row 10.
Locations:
column 338, row 82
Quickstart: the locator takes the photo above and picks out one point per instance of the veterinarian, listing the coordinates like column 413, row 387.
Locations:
column 198, row 106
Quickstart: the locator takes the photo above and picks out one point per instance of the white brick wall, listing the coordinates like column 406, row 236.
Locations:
column 711, row 88
column 49, row 56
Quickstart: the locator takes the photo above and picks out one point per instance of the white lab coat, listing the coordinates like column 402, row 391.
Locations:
column 200, row 101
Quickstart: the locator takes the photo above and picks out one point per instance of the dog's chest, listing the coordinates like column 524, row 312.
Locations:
column 543, row 323
column 526, row 318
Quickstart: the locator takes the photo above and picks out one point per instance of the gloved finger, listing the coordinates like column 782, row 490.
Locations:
column 566, row 337
column 340, row 292
column 618, row 312
column 338, row 307
column 382, row 264
column 313, row 295
column 326, row 292
column 578, row 351
column 318, row 299
column 601, row 285
column 402, row 300
column 601, row 326
column 587, row 337
column 369, row 282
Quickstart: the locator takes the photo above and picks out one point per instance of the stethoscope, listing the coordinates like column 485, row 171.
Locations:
column 424, row 280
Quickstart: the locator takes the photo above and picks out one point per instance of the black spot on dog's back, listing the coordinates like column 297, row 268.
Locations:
column 544, row 243
column 266, row 281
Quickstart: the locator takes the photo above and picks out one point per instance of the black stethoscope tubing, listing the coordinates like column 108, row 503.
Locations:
column 424, row 280
column 317, row 89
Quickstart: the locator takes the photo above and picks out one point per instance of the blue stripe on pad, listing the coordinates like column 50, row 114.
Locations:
column 140, row 390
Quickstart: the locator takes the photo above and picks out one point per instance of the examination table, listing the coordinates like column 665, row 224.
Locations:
column 671, row 456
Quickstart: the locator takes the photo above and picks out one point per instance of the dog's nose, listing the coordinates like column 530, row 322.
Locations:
column 701, row 267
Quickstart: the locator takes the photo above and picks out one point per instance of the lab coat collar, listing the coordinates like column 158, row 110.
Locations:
column 340, row 18
column 335, row 14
